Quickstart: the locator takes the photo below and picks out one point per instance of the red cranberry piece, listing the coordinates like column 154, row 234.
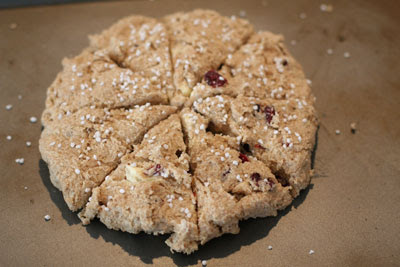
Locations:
column 286, row 144
column 243, row 157
column 214, row 79
column 271, row 183
column 259, row 146
column 157, row 169
column 269, row 113
column 256, row 177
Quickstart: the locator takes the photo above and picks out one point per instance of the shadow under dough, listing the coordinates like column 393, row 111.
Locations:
column 56, row 195
column 148, row 247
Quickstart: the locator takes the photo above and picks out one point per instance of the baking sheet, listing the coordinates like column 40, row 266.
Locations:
column 350, row 214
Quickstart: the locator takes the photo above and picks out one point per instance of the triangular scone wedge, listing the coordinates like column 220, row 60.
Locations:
column 140, row 44
column 229, row 185
column 151, row 190
column 281, row 133
column 93, row 79
column 82, row 148
column 263, row 68
column 200, row 42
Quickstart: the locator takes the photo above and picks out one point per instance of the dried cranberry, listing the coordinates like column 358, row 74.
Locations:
column 271, row 183
column 269, row 113
column 259, row 146
column 214, row 79
column 243, row 157
column 256, row 177
column 286, row 144
column 157, row 169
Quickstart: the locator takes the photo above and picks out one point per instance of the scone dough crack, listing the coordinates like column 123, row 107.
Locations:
column 183, row 125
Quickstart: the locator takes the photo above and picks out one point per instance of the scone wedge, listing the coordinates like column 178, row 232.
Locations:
column 88, row 144
column 201, row 40
column 262, row 67
column 151, row 190
column 278, row 132
column 229, row 185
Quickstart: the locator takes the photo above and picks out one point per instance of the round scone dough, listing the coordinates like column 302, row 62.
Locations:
column 183, row 125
